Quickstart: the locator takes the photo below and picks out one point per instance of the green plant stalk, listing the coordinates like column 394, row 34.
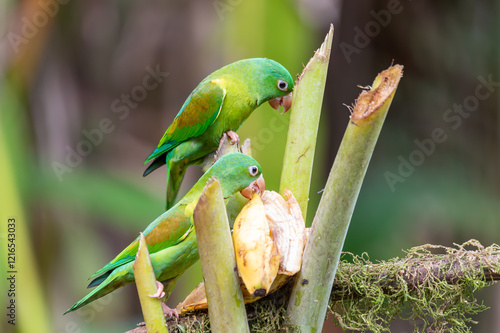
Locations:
column 31, row 313
column 309, row 299
column 226, row 307
column 145, row 281
column 303, row 127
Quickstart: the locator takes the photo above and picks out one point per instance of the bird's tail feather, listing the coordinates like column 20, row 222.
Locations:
column 100, row 279
column 175, row 174
column 112, row 283
column 158, row 162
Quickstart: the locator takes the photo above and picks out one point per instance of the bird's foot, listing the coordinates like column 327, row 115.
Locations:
column 233, row 136
column 159, row 292
column 228, row 139
column 170, row 312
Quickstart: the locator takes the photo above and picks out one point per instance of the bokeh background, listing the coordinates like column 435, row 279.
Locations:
column 73, row 79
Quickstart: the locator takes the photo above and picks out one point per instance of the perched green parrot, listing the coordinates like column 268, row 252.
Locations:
column 171, row 238
column 218, row 105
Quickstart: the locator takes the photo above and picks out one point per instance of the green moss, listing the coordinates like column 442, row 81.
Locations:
column 434, row 290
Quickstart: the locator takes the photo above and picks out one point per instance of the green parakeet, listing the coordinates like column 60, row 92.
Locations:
column 218, row 105
column 171, row 238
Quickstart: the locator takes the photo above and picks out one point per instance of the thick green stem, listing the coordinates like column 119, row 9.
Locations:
column 309, row 298
column 218, row 262
column 19, row 262
column 146, row 285
column 303, row 127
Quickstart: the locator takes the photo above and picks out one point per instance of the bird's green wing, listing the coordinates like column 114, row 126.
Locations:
column 167, row 230
column 199, row 111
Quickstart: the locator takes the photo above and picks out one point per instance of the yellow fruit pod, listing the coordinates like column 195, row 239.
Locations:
column 257, row 258
column 288, row 229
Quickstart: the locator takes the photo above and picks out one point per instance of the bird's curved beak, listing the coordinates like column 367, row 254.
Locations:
column 257, row 186
column 285, row 101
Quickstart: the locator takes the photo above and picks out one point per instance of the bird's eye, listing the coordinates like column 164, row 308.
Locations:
column 253, row 170
column 282, row 85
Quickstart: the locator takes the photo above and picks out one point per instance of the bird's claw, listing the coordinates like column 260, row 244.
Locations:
column 233, row 136
column 170, row 312
column 159, row 292
column 229, row 135
column 166, row 310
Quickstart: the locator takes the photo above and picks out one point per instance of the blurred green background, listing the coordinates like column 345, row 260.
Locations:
column 73, row 79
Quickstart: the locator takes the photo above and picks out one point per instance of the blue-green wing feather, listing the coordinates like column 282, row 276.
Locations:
column 167, row 230
column 199, row 111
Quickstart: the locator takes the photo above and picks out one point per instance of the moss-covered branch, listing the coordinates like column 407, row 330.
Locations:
column 434, row 284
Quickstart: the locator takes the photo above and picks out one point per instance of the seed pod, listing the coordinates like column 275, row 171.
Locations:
column 256, row 255
column 287, row 227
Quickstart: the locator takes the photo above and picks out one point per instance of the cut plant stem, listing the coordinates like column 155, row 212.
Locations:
column 309, row 298
column 145, row 280
column 303, row 127
column 226, row 307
